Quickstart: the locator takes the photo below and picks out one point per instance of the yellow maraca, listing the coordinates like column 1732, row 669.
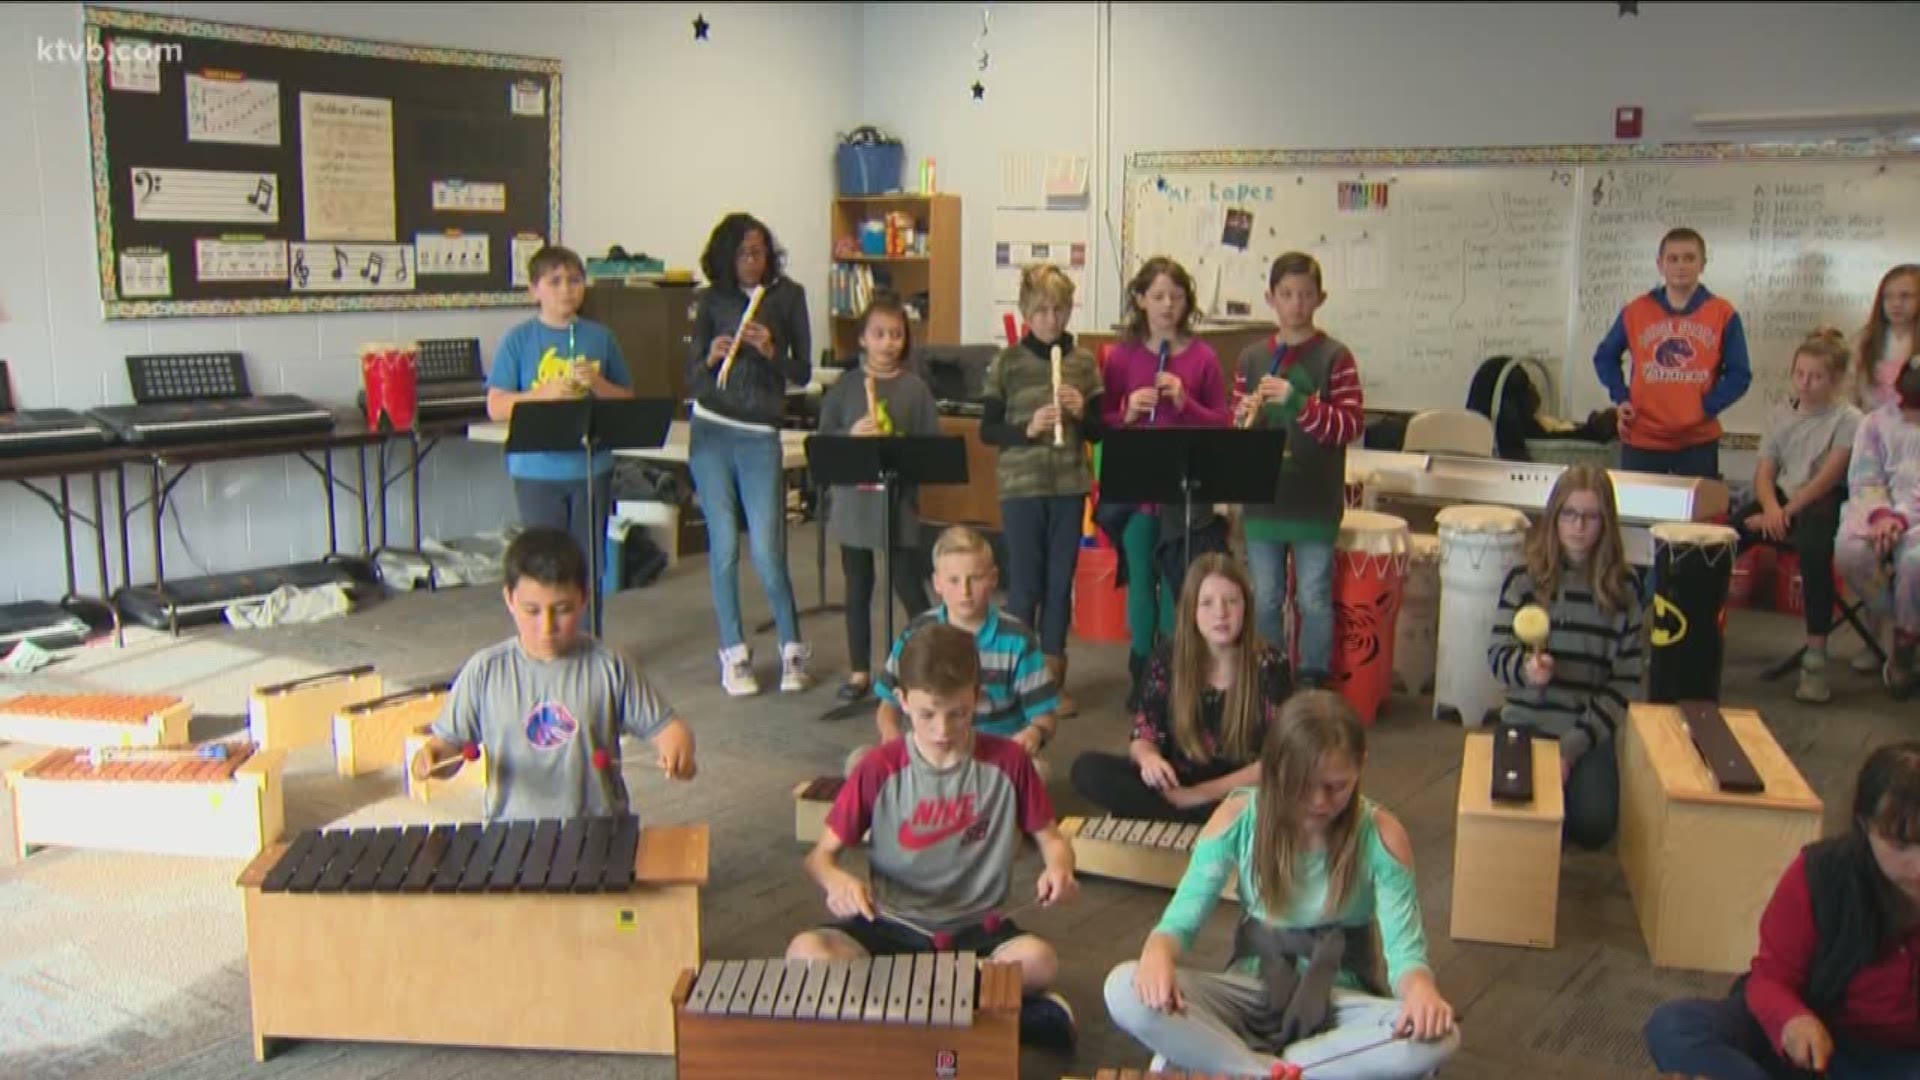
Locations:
column 1531, row 625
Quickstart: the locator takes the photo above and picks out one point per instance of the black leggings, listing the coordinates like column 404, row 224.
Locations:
column 909, row 584
column 1112, row 782
column 1812, row 535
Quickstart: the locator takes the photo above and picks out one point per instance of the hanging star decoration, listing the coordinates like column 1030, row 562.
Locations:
column 700, row 27
column 983, row 59
column 1628, row 7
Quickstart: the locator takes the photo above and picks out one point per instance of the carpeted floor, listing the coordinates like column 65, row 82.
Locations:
column 129, row 966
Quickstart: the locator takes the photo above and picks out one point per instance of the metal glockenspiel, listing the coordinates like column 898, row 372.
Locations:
column 879, row 1017
column 1130, row 849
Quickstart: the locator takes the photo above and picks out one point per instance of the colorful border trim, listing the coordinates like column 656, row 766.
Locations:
column 97, row 19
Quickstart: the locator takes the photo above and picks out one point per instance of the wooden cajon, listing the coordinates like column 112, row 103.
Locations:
column 1506, row 855
column 164, row 808
column 1700, row 863
column 289, row 715
column 573, row 971
column 471, row 777
column 86, row 720
column 372, row 735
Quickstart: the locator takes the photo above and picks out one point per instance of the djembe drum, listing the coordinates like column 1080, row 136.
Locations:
column 1692, row 574
column 1369, row 578
column 1478, row 546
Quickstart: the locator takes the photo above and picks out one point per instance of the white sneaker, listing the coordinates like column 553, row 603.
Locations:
column 1864, row 663
column 736, row 672
column 1158, row 1064
column 793, row 668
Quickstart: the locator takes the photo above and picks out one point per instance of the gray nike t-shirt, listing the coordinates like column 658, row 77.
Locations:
column 943, row 839
column 540, row 722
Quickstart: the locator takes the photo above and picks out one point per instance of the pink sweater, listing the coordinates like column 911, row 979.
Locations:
column 1131, row 365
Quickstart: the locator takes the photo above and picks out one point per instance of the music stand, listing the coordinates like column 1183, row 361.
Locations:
column 920, row 460
column 1182, row 465
column 590, row 425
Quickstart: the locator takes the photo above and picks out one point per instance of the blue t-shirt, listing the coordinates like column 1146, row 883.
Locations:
column 533, row 354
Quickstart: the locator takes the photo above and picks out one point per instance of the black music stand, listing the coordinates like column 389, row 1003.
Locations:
column 920, row 460
column 1187, row 465
column 592, row 425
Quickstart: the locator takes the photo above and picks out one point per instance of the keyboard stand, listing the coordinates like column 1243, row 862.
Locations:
column 53, row 624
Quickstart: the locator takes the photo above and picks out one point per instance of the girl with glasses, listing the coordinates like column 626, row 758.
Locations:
column 1575, row 688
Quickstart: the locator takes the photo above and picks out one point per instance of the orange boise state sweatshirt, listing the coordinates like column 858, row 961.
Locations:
column 1684, row 368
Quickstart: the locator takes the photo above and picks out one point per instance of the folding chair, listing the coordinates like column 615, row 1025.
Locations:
column 1852, row 611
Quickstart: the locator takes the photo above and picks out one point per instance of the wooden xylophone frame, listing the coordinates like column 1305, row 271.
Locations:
column 477, row 955
column 289, row 715
column 372, row 735
column 895, row 1033
column 66, row 720
column 1144, row 852
column 229, row 808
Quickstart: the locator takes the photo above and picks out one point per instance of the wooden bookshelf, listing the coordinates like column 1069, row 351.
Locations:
column 928, row 280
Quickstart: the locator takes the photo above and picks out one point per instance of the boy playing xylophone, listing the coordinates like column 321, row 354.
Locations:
column 549, row 705
column 946, row 806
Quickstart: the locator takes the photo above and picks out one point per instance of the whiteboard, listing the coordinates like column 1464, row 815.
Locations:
column 1436, row 260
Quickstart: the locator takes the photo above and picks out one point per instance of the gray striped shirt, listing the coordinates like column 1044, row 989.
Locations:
column 1598, row 661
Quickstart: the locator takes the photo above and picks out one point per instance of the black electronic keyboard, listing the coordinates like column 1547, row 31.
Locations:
column 34, row 432
column 204, row 397
column 178, row 422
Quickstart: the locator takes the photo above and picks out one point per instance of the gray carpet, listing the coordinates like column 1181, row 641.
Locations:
column 130, row 966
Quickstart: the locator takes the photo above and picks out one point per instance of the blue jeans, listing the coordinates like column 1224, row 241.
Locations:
column 1701, row 461
column 1312, row 597
column 1721, row 1039
column 737, row 471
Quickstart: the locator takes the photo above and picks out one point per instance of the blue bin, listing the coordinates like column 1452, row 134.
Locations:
column 869, row 168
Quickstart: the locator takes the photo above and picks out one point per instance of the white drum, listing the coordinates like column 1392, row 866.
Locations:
column 1416, row 638
column 1478, row 546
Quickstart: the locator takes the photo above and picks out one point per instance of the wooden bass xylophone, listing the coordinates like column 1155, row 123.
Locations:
column 95, row 720
column 875, row 1018
column 573, row 934
column 372, row 735
column 221, row 800
column 1129, row 849
column 1506, row 853
column 289, row 715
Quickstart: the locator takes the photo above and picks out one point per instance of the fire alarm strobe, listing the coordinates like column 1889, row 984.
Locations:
column 1626, row 122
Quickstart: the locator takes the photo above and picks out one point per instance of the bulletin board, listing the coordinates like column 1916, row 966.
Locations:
column 1437, row 259
column 245, row 171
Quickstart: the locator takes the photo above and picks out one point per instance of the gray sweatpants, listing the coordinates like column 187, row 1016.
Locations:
column 1206, row 1036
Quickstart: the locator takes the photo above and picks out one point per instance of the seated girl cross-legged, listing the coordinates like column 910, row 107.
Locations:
column 1204, row 708
column 1320, row 865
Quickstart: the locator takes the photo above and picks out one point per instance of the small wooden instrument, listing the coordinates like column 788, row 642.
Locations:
column 74, row 720
column 733, row 346
column 1731, row 767
column 289, row 715
column 372, row 735
column 1144, row 852
column 221, row 800
column 1512, row 765
column 875, row 1018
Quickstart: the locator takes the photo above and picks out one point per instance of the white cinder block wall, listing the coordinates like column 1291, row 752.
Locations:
column 661, row 137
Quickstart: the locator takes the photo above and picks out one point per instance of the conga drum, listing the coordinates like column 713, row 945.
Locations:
column 1692, row 575
column 1416, row 637
column 1369, row 577
column 1478, row 546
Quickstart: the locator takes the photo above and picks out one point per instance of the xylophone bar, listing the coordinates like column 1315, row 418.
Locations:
column 1512, row 780
column 178, row 802
column 918, row 989
column 582, row 855
column 1143, row 852
column 1731, row 767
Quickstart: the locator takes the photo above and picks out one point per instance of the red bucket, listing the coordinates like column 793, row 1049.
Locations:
column 391, row 376
column 1369, row 581
column 1099, row 603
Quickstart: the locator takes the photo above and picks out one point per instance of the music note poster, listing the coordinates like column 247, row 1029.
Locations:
column 234, row 259
column 229, row 108
column 203, row 195
column 346, row 167
column 452, row 253
column 351, row 268
column 145, row 273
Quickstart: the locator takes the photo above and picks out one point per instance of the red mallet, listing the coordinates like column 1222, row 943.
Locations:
column 471, row 751
column 601, row 760
column 1286, row 1070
